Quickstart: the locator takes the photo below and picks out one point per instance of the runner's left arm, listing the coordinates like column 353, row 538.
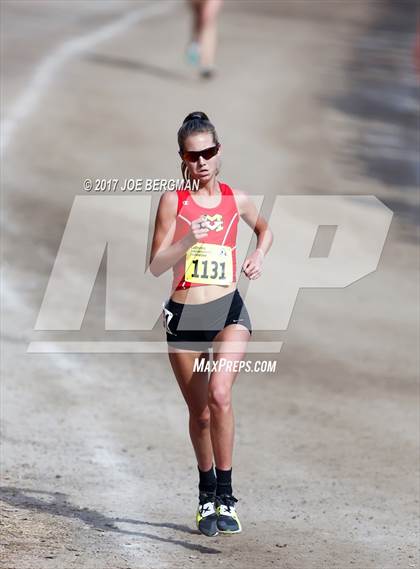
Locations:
column 252, row 266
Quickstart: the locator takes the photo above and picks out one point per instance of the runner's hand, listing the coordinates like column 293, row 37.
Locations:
column 252, row 266
column 199, row 229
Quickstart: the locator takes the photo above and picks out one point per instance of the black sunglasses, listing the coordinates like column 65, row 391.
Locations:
column 194, row 155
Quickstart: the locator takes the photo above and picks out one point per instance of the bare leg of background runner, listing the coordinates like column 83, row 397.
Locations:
column 205, row 14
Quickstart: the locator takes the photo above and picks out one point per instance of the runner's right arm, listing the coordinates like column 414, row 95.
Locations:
column 164, row 253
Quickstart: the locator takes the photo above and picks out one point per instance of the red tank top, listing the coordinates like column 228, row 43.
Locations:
column 223, row 223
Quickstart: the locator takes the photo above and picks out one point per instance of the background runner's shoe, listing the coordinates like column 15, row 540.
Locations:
column 206, row 517
column 193, row 53
column 227, row 518
column 207, row 72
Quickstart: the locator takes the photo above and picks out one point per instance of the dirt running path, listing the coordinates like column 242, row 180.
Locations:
column 97, row 468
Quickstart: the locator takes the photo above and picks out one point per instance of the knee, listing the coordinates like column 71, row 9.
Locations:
column 201, row 420
column 219, row 399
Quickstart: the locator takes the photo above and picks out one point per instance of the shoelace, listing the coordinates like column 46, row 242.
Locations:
column 204, row 501
column 203, row 508
column 227, row 500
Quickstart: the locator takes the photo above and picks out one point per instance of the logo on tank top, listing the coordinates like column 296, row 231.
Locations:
column 217, row 220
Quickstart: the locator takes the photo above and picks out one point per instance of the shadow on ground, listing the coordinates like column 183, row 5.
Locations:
column 383, row 94
column 56, row 504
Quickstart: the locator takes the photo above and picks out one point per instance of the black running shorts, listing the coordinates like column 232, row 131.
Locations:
column 194, row 326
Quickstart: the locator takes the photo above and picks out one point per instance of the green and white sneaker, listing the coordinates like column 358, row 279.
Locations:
column 227, row 518
column 206, row 517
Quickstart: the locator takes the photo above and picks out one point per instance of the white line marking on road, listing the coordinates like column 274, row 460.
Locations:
column 26, row 103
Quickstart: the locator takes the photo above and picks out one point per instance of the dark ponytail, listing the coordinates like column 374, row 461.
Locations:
column 199, row 115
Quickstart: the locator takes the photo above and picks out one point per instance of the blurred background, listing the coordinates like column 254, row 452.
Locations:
column 309, row 97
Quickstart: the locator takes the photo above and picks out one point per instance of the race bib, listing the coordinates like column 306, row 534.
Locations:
column 207, row 263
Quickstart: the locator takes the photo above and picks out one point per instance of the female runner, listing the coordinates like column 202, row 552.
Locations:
column 195, row 234
column 202, row 48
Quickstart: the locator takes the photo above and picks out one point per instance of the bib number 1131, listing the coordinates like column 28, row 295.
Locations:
column 207, row 263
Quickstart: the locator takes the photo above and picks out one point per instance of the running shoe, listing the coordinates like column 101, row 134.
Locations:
column 193, row 53
column 208, row 72
column 206, row 517
column 227, row 518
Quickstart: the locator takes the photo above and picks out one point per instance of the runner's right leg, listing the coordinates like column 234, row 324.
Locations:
column 194, row 387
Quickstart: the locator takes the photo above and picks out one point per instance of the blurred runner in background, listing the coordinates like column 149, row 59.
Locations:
column 202, row 49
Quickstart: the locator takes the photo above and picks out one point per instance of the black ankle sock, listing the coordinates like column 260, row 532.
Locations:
column 207, row 480
column 224, row 482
